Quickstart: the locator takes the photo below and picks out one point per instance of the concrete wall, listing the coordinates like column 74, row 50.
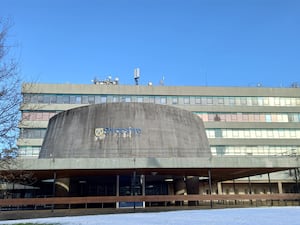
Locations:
column 115, row 130
column 157, row 90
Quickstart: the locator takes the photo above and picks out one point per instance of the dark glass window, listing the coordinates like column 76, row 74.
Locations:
column 53, row 99
column 220, row 150
column 218, row 133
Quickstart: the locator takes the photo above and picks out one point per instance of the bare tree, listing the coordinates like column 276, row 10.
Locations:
column 10, row 92
column 10, row 100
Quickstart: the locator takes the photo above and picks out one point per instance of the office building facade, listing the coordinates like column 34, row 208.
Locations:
column 238, row 121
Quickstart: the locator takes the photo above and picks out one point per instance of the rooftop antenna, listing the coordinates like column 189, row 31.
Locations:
column 162, row 81
column 136, row 75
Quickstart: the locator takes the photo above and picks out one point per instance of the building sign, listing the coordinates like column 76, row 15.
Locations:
column 101, row 133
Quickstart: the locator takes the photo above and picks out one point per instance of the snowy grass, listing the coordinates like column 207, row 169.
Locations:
column 242, row 216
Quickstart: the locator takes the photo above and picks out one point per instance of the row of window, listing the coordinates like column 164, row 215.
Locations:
column 253, row 133
column 170, row 100
column 211, row 133
column 36, row 133
column 256, row 150
column 29, row 151
column 33, row 151
column 37, row 116
column 250, row 117
column 223, row 117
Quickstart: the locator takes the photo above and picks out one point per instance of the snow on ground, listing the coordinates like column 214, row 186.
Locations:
column 242, row 216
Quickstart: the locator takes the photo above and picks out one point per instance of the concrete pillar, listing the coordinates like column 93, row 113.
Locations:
column 210, row 186
column 250, row 189
column 192, row 187
column 249, row 185
column 270, row 184
column 234, row 188
column 117, row 189
column 280, row 187
column 62, row 189
column 220, row 189
column 179, row 188
column 296, row 177
column 143, row 180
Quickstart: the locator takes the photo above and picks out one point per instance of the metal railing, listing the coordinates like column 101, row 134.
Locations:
column 166, row 199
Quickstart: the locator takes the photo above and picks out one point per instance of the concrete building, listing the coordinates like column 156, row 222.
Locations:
column 250, row 131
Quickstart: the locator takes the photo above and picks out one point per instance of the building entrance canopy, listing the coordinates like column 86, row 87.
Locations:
column 222, row 168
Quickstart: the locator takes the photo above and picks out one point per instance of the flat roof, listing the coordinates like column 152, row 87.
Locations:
column 40, row 88
column 222, row 168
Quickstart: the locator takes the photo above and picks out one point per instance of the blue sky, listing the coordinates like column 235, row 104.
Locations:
column 189, row 42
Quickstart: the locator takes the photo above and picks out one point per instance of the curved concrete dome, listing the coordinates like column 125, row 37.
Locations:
column 115, row 130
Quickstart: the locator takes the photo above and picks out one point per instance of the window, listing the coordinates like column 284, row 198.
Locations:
column 60, row 99
column 26, row 98
column 157, row 100
column 247, row 133
column 78, row 100
column 91, row 99
column 115, row 99
column 237, row 100
column 85, row 99
column 221, row 101
column 198, row 100
column 270, row 133
column 254, row 101
column 34, row 99
column 140, row 99
column 243, row 101
column 218, row 133
column 128, row 99
column 290, row 117
column 186, row 100
column 258, row 133
column 220, row 150
column 260, row 101
column 233, row 117
column 53, row 99
column 235, row 133
column 151, row 99
column 266, row 101
column 46, row 99
column 192, row 100
column 211, row 117
column 209, row 100
column 39, row 116
column 249, row 101
column 245, row 117
column 292, row 133
column 163, row 100
column 276, row 101
column 268, row 118
column 66, row 99
column 72, row 99
column 174, row 100
column 103, row 99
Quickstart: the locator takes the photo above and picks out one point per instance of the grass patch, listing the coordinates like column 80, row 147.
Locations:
column 36, row 224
